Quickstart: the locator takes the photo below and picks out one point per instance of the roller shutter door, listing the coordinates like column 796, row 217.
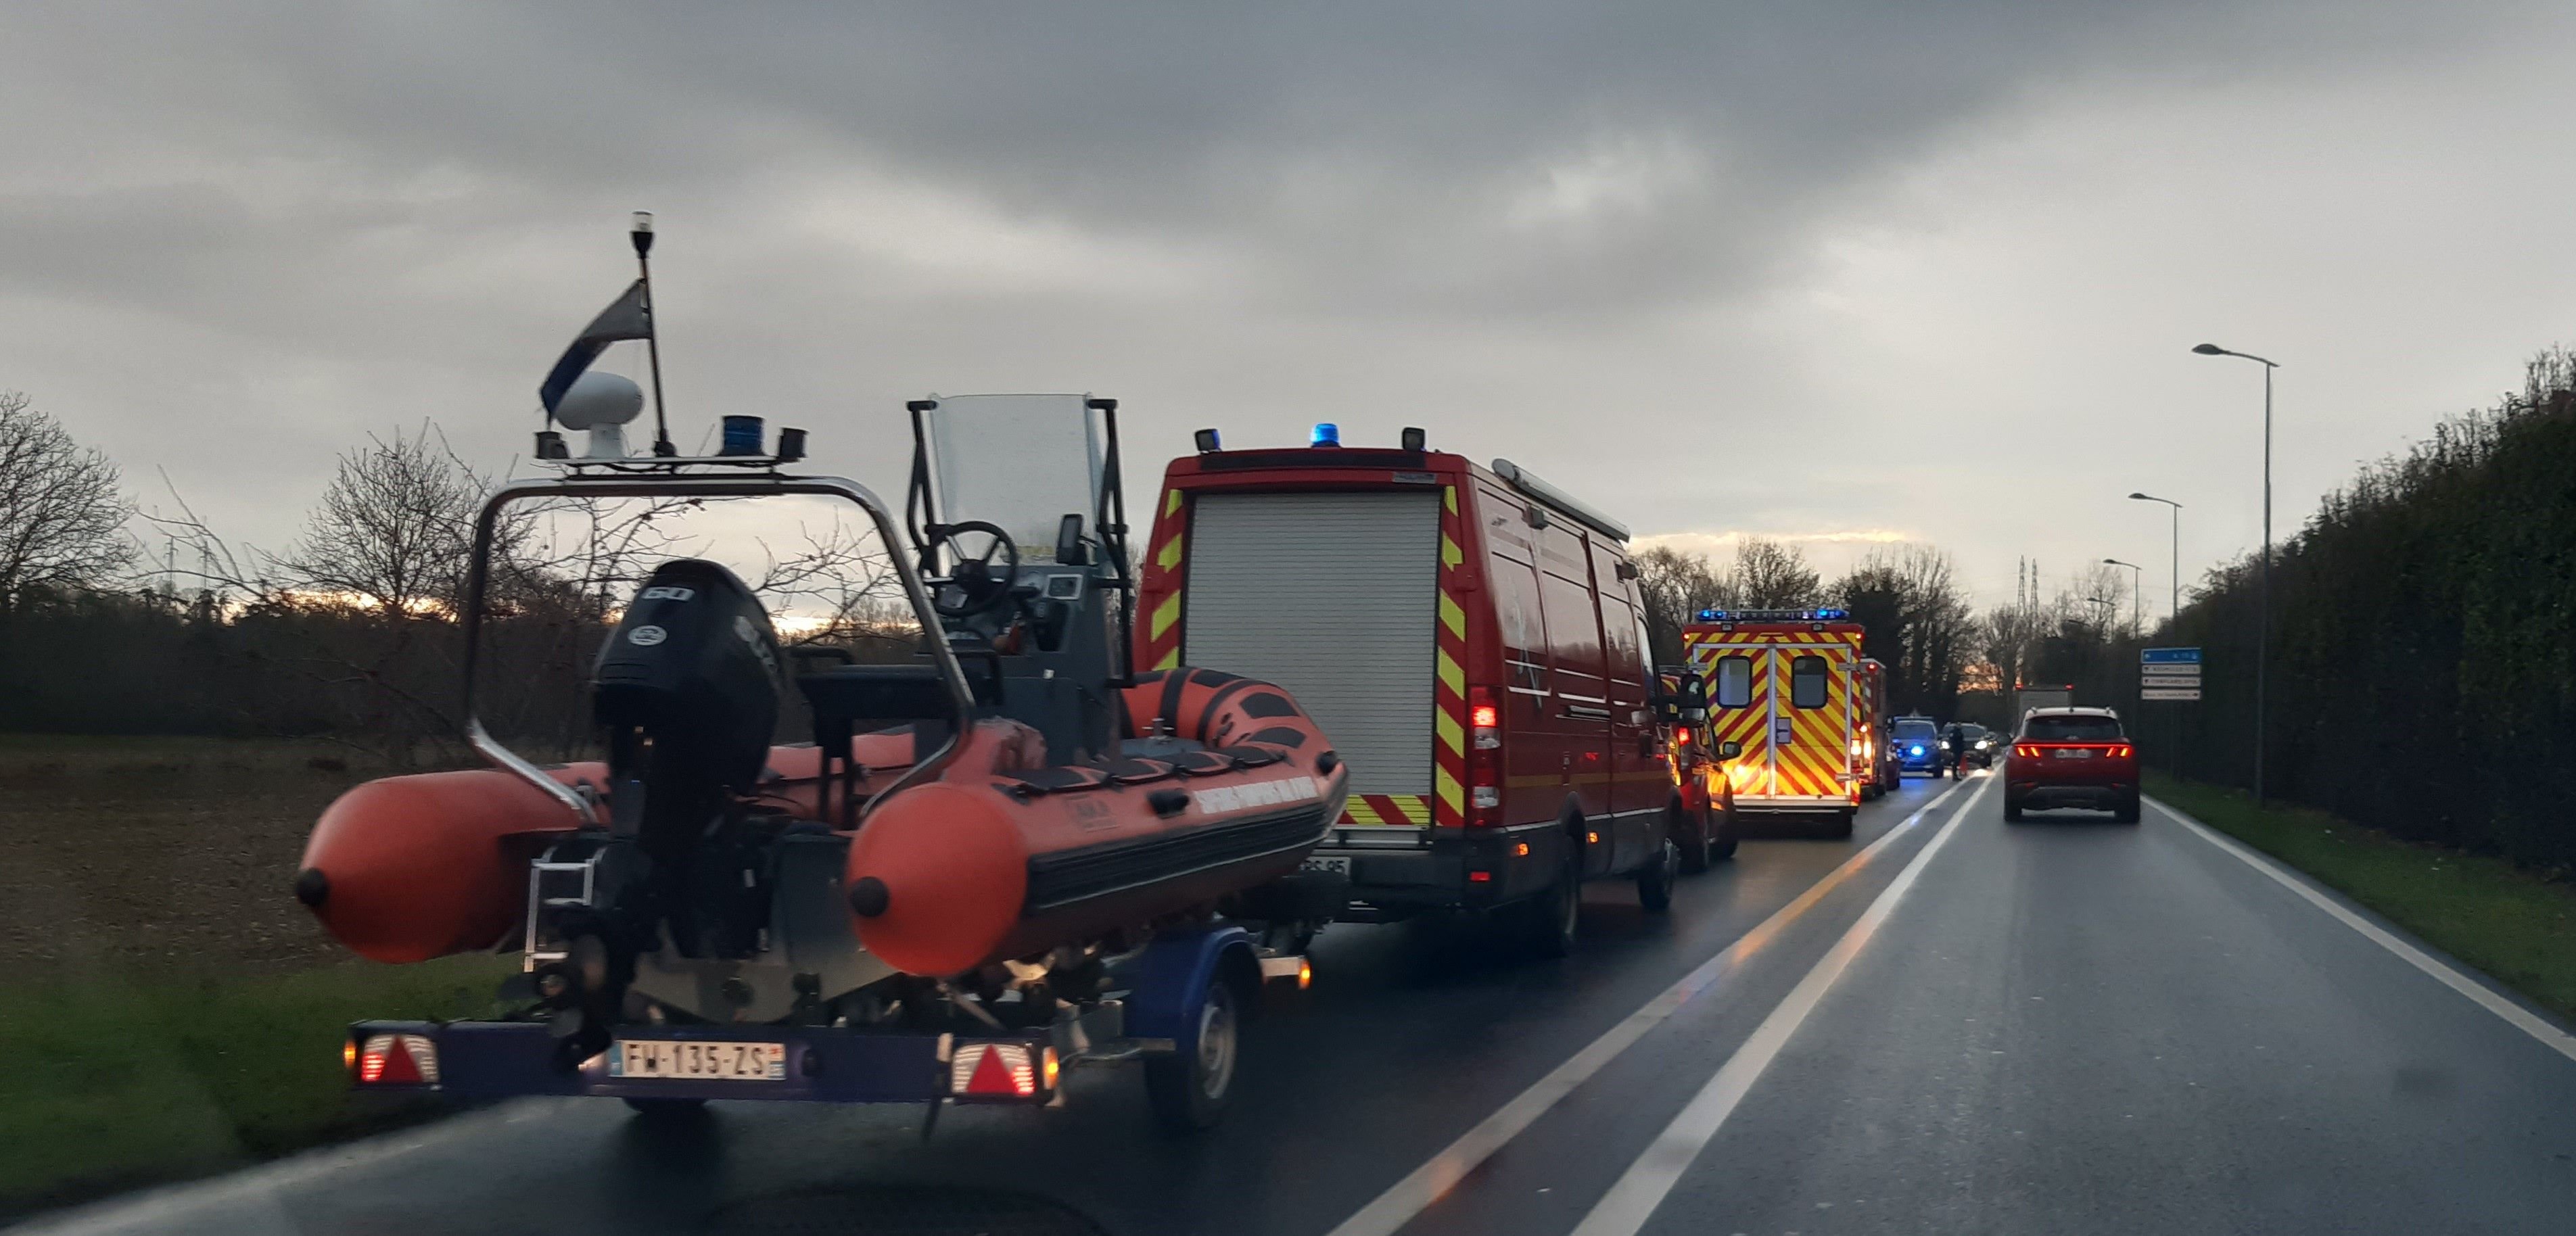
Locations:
column 1334, row 596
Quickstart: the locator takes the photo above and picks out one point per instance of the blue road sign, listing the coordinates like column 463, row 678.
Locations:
column 2168, row 656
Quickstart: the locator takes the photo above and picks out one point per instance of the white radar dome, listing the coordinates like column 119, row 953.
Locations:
column 596, row 400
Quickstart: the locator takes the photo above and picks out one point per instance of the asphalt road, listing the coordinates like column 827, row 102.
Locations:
column 1945, row 1024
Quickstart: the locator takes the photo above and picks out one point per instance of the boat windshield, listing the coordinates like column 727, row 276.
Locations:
column 1021, row 461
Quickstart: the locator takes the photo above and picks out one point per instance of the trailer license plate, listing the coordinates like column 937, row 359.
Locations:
column 2074, row 753
column 699, row 1059
column 1337, row 864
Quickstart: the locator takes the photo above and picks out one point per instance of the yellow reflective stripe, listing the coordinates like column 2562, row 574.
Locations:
column 1453, row 617
column 1449, row 495
column 1170, row 556
column 1451, row 796
column 1171, row 660
column 1452, row 735
column 1171, row 501
column 1449, row 554
column 1166, row 614
column 1451, row 676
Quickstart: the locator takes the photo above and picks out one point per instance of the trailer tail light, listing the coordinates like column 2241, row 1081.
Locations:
column 396, row 1060
column 995, row 1071
column 1484, row 759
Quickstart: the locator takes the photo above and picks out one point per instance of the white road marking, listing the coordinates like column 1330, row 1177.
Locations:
column 1625, row 1208
column 1424, row 1185
column 2518, row 1017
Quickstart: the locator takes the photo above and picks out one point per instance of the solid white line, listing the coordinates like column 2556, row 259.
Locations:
column 1625, row 1208
column 2518, row 1017
column 1424, row 1185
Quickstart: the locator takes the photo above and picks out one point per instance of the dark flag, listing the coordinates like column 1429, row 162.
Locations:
column 630, row 316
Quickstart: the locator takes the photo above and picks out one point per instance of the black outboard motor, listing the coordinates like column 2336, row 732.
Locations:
column 688, row 689
column 693, row 667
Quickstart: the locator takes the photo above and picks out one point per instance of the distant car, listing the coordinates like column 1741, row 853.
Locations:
column 1918, row 745
column 2072, row 757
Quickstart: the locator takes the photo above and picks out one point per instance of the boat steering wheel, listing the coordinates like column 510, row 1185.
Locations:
column 972, row 580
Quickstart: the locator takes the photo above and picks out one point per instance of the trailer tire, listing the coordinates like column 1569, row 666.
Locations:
column 1188, row 1089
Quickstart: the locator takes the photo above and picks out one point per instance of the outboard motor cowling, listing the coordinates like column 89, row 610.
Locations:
column 694, row 667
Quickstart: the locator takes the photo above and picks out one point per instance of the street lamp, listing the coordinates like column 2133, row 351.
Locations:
column 2177, row 545
column 2263, row 623
column 2136, row 592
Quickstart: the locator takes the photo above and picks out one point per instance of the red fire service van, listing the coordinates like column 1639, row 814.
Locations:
column 1471, row 640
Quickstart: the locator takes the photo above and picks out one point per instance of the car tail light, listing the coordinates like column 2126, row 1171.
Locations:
column 2122, row 751
column 2026, row 750
column 1484, row 759
column 397, row 1060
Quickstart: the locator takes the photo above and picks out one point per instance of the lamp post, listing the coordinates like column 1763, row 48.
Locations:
column 2176, row 611
column 2136, row 593
column 2263, row 602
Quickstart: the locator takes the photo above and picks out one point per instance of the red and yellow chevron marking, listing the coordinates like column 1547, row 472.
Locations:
column 1449, row 714
column 1814, row 763
column 1163, row 571
column 1396, row 810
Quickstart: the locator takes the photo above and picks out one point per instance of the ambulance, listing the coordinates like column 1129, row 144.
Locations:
column 1785, row 687
column 1470, row 639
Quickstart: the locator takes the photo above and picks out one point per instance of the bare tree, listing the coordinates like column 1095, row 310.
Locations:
column 393, row 531
column 1772, row 575
column 1675, row 586
column 62, row 516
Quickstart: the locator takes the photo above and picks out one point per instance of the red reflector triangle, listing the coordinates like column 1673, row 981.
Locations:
column 399, row 1066
column 992, row 1076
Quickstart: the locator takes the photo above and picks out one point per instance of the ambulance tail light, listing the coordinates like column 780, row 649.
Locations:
column 1484, row 759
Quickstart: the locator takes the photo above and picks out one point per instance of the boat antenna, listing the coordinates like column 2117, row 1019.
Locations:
column 642, row 235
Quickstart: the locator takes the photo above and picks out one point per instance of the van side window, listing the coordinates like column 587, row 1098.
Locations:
column 1734, row 682
column 1807, row 682
column 1574, row 636
column 1516, row 614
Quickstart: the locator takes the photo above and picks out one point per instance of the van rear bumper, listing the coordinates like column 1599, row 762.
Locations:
column 1444, row 874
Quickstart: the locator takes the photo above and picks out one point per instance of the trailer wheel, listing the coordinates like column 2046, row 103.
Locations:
column 1188, row 1089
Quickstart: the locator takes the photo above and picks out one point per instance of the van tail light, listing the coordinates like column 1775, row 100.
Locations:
column 1484, row 759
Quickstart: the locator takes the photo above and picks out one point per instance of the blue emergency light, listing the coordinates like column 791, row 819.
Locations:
column 1326, row 434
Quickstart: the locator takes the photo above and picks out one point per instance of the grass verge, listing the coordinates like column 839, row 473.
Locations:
column 2512, row 924
column 108, row 1083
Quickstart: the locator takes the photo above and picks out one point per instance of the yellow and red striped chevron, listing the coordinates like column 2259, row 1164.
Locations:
column 1449, row 715
column 1164, row 558
column 1396, row 810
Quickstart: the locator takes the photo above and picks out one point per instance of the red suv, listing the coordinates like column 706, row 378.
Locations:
column 2072, row 757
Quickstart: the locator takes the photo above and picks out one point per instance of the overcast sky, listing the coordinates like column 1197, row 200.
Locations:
column 1837, row 272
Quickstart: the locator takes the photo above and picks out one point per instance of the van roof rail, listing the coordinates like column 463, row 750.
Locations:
column 1524, row 480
